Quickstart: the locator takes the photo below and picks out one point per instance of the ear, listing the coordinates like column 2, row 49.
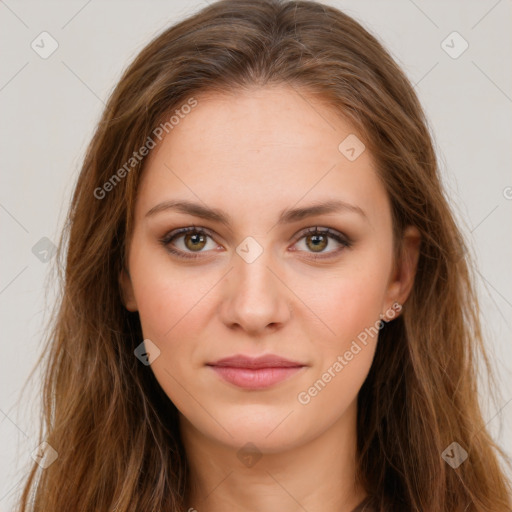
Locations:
column 127, row 294
column 402, row 279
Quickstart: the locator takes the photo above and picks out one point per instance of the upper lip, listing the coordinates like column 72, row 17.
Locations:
column 267, row 361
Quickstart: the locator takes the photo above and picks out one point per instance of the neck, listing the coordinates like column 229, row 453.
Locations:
column 319, row 474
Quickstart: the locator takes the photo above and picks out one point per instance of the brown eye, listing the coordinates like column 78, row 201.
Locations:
column 317, row 243
column 188, row 242
column 195, row 241
column 317, row 240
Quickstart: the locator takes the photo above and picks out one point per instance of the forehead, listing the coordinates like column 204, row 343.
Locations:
column 260, row 148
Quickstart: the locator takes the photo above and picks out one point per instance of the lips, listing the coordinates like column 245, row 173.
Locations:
column 255, row 372
column 268, row 361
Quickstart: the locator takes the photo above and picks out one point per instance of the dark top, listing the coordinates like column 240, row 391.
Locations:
column 364, row 506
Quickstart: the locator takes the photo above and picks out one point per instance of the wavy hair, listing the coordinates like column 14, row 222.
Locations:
column 114, row 429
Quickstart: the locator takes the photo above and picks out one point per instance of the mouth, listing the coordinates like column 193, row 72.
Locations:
column 255, row 373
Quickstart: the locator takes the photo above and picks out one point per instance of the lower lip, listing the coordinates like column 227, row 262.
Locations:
column 255, row 378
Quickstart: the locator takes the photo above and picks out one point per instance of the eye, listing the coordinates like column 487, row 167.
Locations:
column 316, row 240
column 193, row 240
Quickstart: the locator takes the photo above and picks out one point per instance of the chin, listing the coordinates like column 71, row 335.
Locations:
column 270, row 430
column 250, row 438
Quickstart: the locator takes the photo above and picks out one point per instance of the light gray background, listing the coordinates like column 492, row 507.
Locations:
column 50, row 106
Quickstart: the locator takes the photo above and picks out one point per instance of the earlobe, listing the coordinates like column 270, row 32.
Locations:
column 126, row 287
column 405, row 271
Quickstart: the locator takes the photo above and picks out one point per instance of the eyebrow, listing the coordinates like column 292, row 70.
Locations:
column 287, row 216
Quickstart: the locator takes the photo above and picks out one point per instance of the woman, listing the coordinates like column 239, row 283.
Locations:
column 267, row 304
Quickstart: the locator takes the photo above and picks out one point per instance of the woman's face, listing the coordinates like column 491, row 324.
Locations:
column 248, row 171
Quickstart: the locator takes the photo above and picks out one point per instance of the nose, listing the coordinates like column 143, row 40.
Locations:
column 255, row 298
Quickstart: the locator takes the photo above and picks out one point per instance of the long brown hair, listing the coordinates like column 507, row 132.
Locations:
column 112, row 426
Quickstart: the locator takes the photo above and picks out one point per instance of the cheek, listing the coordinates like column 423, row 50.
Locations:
column 171, row 311
column 174, row 307
column 351, row 310
column 167, row 296
column 348, row 301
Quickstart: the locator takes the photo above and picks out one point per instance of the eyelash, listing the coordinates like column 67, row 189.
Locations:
column 340, row 238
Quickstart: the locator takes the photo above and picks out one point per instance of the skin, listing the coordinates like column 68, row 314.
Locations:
column 253, row 154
